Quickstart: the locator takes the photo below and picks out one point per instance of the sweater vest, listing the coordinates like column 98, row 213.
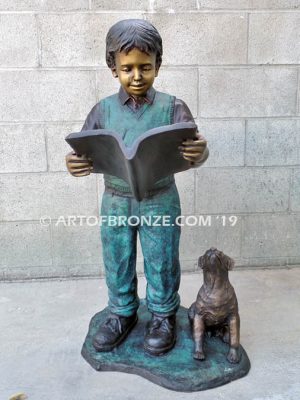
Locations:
column 131, row 124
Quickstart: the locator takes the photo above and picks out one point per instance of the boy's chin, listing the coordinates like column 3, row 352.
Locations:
column 139, row 91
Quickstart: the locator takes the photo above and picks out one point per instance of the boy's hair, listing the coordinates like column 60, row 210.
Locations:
column 128, row 34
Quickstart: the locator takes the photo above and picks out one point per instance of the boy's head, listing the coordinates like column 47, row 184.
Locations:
column 134, row 53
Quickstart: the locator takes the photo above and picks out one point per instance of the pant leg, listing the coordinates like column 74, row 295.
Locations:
column 119, row 256
column 160, row 246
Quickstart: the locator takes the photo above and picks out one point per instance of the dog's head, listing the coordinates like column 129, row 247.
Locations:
column 214, row 258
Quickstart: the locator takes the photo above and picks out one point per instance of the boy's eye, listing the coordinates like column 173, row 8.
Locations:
column 125, row 69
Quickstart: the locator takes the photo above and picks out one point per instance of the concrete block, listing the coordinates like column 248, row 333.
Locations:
column 139, row 255
column 76, row 39
column 226, row 142
column 57, row 147
column 18, row 41
column 145, row 5
column 273, row 142
column 50, row 272
column 120, row 5
column 228, row 235
column 173, row 5
column 45, row 5
column 174, row 82
column 248, row 4
column 68, row 39
column 106, row 84
column 213, row 232
column 236, row 190
column 24, row 244
column 100, row 187
column 274, row 38
column 191, row 245
column 186, row 187
column 77, row 244
column 22, row 148
column 271, row 235
column 202, row 38
column 32, row 196
column 267, row 262
column 252, row 92
column 295, row 190
column 46, row 95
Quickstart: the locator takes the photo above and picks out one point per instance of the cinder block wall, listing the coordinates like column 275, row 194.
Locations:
column 235, row 63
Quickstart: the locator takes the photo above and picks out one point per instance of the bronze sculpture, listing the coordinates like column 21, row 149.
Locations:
column 216, row 307
column 134, row 54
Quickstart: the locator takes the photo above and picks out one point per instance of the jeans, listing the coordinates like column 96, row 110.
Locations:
column 160, row 247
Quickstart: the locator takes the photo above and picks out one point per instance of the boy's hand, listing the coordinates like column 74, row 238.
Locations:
column 78, row 165
column 194, row 150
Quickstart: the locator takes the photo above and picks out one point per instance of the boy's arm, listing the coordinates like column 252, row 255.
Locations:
column 80, row 165
column 195, row 151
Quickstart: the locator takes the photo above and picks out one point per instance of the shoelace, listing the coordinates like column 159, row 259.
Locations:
column 160, row 323
column 114, row 324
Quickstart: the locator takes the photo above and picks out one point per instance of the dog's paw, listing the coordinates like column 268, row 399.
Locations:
column 233, row 356
column 199, row 355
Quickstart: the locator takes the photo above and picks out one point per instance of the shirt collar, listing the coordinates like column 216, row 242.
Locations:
column 124, row 96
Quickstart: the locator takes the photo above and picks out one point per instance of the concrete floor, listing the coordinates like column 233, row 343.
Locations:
column 43, row 325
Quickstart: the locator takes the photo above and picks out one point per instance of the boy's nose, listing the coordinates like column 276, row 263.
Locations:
column 136, row 74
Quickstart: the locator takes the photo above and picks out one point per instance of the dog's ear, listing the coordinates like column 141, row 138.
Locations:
column 229, row 263
column 201, row 262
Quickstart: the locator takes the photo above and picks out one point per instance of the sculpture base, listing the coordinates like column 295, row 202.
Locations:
column 176, row 370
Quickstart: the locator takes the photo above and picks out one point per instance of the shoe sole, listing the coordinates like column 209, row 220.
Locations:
column 159, row 352
column 121, row 339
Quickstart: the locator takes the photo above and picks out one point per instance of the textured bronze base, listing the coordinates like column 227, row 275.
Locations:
column 176, row 370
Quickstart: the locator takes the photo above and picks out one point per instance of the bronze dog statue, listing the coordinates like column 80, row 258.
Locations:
column 216, row 307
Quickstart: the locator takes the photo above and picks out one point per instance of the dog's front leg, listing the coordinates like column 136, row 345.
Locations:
column 198, row 334
column 234, row 332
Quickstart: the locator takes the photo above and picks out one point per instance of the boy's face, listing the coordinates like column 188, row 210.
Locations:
column 136, row 71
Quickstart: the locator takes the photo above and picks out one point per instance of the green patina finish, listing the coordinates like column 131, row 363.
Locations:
column 160, row 245
column 130, row 125
column 177, row 370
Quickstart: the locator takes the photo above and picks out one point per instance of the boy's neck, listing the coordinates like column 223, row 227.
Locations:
column 147, row 97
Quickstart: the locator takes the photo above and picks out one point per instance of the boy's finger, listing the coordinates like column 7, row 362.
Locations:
column 82, row 173
column 195, row 142
column 79, row 165
column 192, row 155
column 84, row 157
column 75, row 161
column 192, row 159
column 197, row 149
column 75, row 170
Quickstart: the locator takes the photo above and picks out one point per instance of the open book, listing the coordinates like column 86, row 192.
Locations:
column 153, row 155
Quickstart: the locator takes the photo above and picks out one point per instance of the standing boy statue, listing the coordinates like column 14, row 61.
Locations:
column 134, row 54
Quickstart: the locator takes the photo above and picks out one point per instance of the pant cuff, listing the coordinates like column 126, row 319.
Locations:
column 165, row 311
column 124, row 311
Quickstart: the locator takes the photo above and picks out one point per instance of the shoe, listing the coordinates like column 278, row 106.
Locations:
column 160, row 334
column 113, row 331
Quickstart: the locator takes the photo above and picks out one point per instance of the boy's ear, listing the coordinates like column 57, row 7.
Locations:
column 156, row 71
column 114, row 72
